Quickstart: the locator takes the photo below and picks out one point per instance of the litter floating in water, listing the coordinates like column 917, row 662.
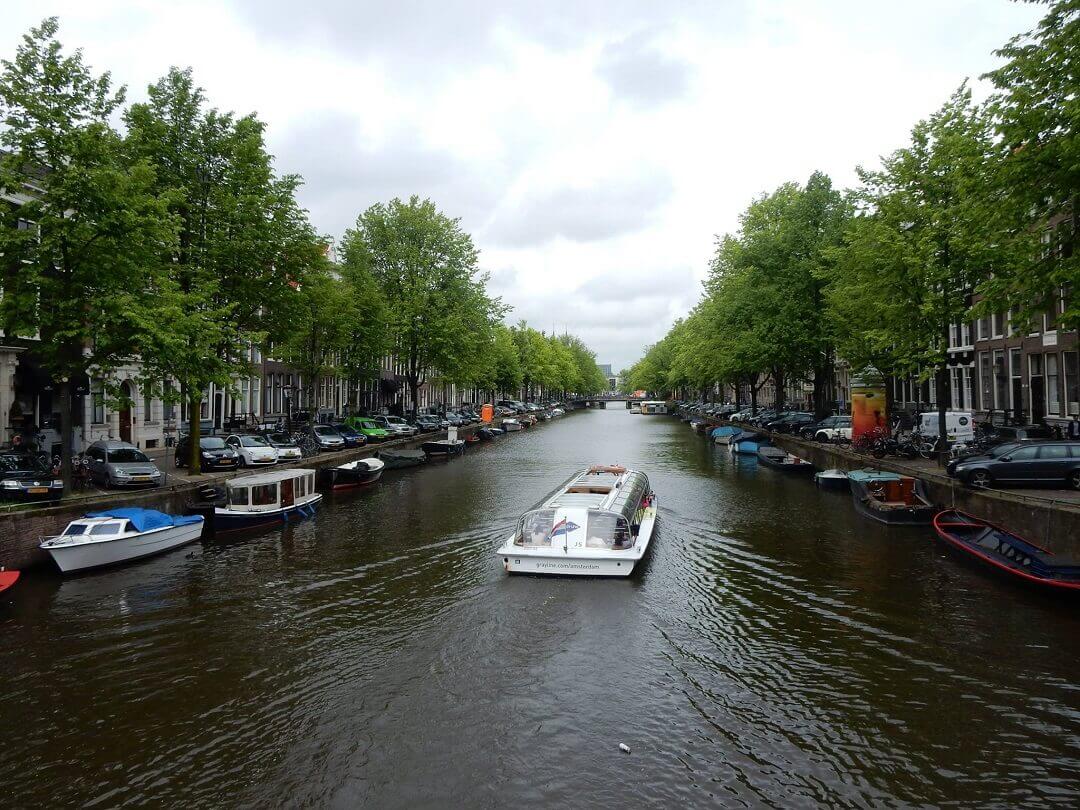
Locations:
column 624, row 748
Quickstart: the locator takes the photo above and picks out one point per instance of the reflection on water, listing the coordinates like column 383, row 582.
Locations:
column 775, row 648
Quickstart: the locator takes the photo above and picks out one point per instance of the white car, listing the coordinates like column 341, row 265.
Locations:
column 254, row 451
column 396, row 425
column 833, row 434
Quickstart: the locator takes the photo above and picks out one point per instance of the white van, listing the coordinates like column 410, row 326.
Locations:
column 959, row 425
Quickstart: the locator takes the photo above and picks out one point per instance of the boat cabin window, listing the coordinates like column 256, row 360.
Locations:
column 112, row 527
column 607, row 530
column 301, row 486
column 238, row 496
column 310, row 482
column 75, row 529
column 534, row 529
column 264, row 495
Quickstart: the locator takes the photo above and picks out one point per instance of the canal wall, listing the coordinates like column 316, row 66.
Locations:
column 21, row 530
column 1051, row 523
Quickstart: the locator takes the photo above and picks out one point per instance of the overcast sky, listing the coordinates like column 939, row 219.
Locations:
column 593, row 149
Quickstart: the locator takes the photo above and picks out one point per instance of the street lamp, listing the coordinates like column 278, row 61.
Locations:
column 287, row 392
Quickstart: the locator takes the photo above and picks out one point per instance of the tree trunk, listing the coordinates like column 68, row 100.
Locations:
column 778, row 384
column 414, row 392
column 67, row 435
column 195, row 433
column 753, row 394
column 943, row 438
column 823, row 383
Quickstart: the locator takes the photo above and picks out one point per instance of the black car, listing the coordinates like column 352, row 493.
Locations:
column 214, row 453
column 427, row 424
column 24, row 477
column 1047, row 464
column 790, row 422
column 838, row 421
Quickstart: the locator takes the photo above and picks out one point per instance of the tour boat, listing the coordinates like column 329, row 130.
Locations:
column 444, row 448
column 510, row 425
column 598, row 523
column 832, row 479
column 635, row 408
column 778, row 459
column 725, row 434
column 7, row 579
column 1007, row 552
column 399, row 459
column 119, row 535
column 254, row 501
column 352, row 474
column 748, row 443
column 897, row 500
column 653, row 407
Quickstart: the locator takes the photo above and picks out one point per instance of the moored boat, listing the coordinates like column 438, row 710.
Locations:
column 1007, row 552
column 511, row 425
column 897, row 500
column 487, row 434
column 444, row 448
column 353, row 474
column 399, row 459
column 600, row 522
column 832, row 479
column 748, row 443
column 778, row 459
column 257, row 501
column 7, row 579
column 725, row 434
column 119, row 535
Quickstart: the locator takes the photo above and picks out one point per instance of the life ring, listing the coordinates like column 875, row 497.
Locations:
column 607, row 468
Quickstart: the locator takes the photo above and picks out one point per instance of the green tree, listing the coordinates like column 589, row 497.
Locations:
column 80, row 277
column 245, row 246
column 927, row 239
column 426, row 268
column 1038, row 183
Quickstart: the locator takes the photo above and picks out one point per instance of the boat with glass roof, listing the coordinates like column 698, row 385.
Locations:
column 600, row 522
column 253, row 501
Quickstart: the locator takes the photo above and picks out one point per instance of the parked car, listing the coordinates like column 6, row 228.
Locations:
column 397, row 426
column 326, row 437
column 114, row 463
column 1047, row 464
column 252, row 450
column 829, row 429
column 24, row 477
column 214, row 454
column 427, row 424
column 354, row 436
column 791, row 422
column 287, row 449
column 512, row 404
column 368, row 429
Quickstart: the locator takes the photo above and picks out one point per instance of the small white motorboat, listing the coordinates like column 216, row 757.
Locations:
column 352, row 474
column 599, row 523
column 119, row 535
column 510, row 425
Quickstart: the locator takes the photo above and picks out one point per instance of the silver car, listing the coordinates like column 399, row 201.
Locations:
column 119, row 464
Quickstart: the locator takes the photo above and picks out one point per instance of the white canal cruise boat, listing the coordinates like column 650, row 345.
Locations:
column 599, row 523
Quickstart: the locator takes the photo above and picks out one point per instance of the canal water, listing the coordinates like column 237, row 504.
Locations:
column 777, row 649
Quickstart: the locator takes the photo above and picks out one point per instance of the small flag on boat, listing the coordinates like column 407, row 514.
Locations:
column 564, row 526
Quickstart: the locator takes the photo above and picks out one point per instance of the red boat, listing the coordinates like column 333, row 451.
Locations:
column 7, row 579
column 1006, row 551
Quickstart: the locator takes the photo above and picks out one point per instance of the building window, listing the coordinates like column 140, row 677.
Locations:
column 981, row 330
column 965, row 334
column 1053, row 402
column 1001, row 381
column 168, row 408
column 148, row 405
column 955, row 393
column 968, row 403
column 1016, row 369
column 997, row 325
column 1071, row 362
column 97, row 397
column 986, row 396
column 954, row 336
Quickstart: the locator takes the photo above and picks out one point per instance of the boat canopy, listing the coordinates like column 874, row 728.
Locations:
column 866, row 476
column 143, row 520
column 726, row 430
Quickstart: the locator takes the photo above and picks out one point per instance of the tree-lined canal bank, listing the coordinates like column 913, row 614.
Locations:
column 776, row 648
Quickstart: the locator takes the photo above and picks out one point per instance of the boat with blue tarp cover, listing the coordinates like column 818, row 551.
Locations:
column 119, row 535
column 1007, row 552
column 896, row 500
column 257, row 501
column 749, row 443
column 725, row 434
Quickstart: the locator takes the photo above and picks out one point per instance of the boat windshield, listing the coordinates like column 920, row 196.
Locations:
column 75, row 529
column 534, row 528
